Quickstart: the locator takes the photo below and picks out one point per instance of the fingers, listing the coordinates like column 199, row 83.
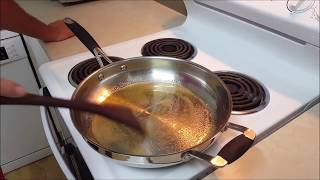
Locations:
column 59, row 31
column 11, row 89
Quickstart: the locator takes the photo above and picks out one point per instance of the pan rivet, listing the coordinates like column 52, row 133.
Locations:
column 100, row 77
column 186, row 157
column 123, row 67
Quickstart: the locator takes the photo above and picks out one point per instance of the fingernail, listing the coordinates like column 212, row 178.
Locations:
column 20, row 91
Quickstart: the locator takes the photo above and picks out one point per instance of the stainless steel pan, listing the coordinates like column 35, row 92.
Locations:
column 181, row 106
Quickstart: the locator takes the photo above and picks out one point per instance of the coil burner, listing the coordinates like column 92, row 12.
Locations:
column 83, row 69
column 169, row 47
column 248, row 95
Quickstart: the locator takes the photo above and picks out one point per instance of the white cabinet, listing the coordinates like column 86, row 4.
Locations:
column 22, row 136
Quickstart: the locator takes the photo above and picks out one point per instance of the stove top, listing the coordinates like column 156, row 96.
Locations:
column 276, row 73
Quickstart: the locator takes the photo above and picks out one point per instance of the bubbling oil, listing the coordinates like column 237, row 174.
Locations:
column 173, row 118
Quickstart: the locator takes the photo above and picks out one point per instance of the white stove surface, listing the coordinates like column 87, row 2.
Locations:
column 289, row 71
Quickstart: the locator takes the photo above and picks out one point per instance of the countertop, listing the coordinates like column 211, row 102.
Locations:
column 108, row 22
column 290, row 153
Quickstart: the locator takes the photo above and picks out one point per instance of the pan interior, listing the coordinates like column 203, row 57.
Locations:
column 173, row 118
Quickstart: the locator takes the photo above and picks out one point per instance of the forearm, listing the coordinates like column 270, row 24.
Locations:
column 14, row 18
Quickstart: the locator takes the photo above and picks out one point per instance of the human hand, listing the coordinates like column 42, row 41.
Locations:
column 58, row 31
column 11, row 89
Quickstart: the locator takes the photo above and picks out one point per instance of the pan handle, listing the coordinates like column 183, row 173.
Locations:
column 232, row 151
column 87, row 40
column 81, row 34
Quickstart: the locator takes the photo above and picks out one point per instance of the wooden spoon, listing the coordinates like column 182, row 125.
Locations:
column 116, row 113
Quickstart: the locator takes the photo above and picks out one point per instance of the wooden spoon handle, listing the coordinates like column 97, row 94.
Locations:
column 117, row 113
column 31, row 99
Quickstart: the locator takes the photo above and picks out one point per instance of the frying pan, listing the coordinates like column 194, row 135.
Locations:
column 181, row 106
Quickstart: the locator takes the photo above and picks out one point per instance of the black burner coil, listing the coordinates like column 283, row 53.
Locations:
column 169, row 47
column 248, row 95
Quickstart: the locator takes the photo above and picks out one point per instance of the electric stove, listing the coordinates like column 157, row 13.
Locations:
column 271, row 70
